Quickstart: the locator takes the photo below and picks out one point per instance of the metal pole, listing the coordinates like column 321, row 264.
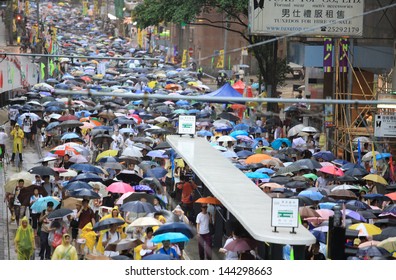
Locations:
column 225, row 43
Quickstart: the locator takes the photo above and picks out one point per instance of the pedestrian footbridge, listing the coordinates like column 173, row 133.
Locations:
column 250, row 205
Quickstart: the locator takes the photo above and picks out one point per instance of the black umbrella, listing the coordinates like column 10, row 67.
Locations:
column 372, row 251
column 26, row 193
column 367, row 214
column 357, row 171
column 387, row 232
column 181, row 227
column 75, row 185
column 42, row 171
column 347, row 178
column 137, row 196
column 297, row 185
column 228, row 116
column 107, row 223
column 143, row 140
column 87, row 177
column 128, row 176
column 84, row 193
column 59, row 213
column 304, row 201
column 100, row 138
column 137, row 207
column 282, row 180
column 311, row 163
column 162, row 146
column 71, row 123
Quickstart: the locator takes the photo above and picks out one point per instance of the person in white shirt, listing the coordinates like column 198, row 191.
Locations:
column 27, row 129
column 228, row 254
column 204, row 235
column 13, row 116
column 118, row 141
column 3, row 139
column 111, row 236
column 37, row 181
column 129, row 142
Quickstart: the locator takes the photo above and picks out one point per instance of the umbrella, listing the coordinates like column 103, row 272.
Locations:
column 387, row 232
column 108, row 153
column 129, row 176
column 345, row 187
column 241, row 245
column 208, row 200
column 85, row 167
column 354, row 215
column 277, row 143
column 156, row 172
column 41, row 204
column 257, row 158
column 59, row 213
column 26, row 193
column 157, row 257
column 123, row 244
column 119, row 187
column 388, row 244
column 342, row 194
column 132, row 152
column 84, row 193
column 226, row 138
column 375, row 178
column 304, row 201
column 64, row 150
column 325, row 155
column 87, row 177
column 137, row 207
column 332, row 170
column 107, row 223
column 71, row 202
column 100, row 138
column 391, row 195
column 144, row 222
column 181, row 227
column 372, row 251
column 173, row 237
column 68, row 124
column 75, row 185
column 366, row 229
column 42, row 171
column 78, row 159
column 295, row 130
column 356, row 171
column 320, row 236
column 314, row 195
column 140, row 196
column 143, row 188
column 306, row 211
column 309, row 129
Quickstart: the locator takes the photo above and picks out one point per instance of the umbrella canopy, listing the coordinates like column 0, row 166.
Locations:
column 129, row 176
column 87, row 177
column 306, row 211
column 332, row 170
column 173, row 237
column 156, row 172
column 26, row 193
column 144, row 222
column 181, row 227
column 241, row 245
column 85, row 167
column 388, row 244
column 314, row 195
column 59, row 213
column 108, row 153
column 157, row 257
column 137, row 207
column 123, row 244
column 119, row 187
column 372, row 251
column 41, row 204
column 257, row 158
column 343, row 194
column 208, row 200
column 140, row 196
column 84, row 193
column 277, row 143
column 75, row 185
column 107, row 223
column 366, row 229
column 375, row 178
column 132, row 152
column 42, row 171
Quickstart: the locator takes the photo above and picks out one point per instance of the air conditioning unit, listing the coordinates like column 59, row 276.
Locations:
column 130, row 4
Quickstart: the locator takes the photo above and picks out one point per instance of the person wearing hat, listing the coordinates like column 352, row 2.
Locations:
column 65, row 251
column 18, row 135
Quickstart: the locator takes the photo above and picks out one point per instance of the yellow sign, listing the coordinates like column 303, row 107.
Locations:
column 140, row 38
column 27, row 10
column 184, row 59
column 220, row 61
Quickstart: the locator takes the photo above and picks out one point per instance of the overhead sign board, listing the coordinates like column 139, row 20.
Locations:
column 385, row 126
column 333, row 18
column 284, row 212
column 187, row 125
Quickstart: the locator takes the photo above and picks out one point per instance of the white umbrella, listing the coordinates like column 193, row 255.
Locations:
column 295, row 130
column 309, row 129
column 229, row 154
column 161, row 119
column 68, row 173
column 55, row 116
column 32, row 116
column 299, row 143
column 362, row 139
column 78, row 159
column 226, row 138
column 368, row 156
column 132, row 152
column 345, row 187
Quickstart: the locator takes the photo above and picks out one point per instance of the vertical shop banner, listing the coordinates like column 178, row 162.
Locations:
column 344, row 46
column 85, row 8
column 184, row 59
column 220, row 61
column 119, row 8
column 328, row 55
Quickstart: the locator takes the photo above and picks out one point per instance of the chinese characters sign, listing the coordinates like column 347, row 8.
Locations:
column 307, row 17
column 385, row 126
column 284, row 212
column 187, row 125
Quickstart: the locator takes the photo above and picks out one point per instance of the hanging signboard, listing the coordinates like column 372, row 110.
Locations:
column 385, row 126
column 307, row 17
column 284, row 212
column 187, row 125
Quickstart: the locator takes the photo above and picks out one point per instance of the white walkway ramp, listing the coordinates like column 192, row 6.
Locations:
column 250, row 206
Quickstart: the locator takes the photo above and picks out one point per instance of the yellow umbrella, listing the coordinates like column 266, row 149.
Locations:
column 366, row 229
column 152, row 84
column 13, row 181
column 375, row 178
column 108, row 153
column 388, row 244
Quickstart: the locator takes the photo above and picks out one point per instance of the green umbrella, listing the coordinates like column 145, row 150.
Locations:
column 311, row 176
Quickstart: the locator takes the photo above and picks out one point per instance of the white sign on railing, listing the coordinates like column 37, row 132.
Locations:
column 385, row 126
column 284, row 212
column 187, row 125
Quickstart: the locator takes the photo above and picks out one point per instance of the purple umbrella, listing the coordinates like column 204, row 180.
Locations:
column 143, row 188
column 354, row 215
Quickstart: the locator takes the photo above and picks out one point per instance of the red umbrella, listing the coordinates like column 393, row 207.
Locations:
column 241, row 245
column 68, row 117
column 392, row 195
column 120, row 187
column 208, row 200
column 332, row 170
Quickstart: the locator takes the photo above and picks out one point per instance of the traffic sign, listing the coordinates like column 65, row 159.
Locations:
column 190, row 52
column 385, row 126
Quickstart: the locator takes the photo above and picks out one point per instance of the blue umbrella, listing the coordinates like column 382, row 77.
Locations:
column 193, row 111
column 53, row 109
column 173, row 237
column 320, row 236
column 204, row 133
column 269, row 171
column 236, row 133
column 70, row 135
column 137, row 207
column 75, row 185
column 256, row 175
column 383, row 156
column 327, row 205
column 143, row 188
column 87, row 177
column 52, row 125
column 315, row 196
column 181, row 227
column 157, row 154
column 182, row 103
column 325, row 155
column 85, row 167
column 41, row 204
column 84, row 193
column 244, row 154
column 255, row 142
column 108, row 159
column 241, row 126
column 86, row 113
column 340, row 161
column 276, row 144
column 156, row 172
column 126, row 130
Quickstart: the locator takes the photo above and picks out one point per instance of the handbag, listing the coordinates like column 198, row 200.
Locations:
column 57, row 240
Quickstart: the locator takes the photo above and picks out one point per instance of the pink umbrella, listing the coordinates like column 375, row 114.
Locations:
column 325, row 213
column 78, row 159
column 119, row 187
column 120, row 201
column 332, row 170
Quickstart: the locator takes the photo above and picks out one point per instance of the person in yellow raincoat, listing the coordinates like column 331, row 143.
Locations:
column 90, row 237
column 65, row 251
column 18, row 135
column 115, row 213
column 24, row 240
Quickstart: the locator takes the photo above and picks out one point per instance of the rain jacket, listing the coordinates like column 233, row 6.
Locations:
column 18, row 136
column 89, row 235
column 24, row 241
column 99, row 246
column 65, row 251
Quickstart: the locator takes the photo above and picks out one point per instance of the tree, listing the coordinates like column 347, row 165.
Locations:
column 272, row 70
